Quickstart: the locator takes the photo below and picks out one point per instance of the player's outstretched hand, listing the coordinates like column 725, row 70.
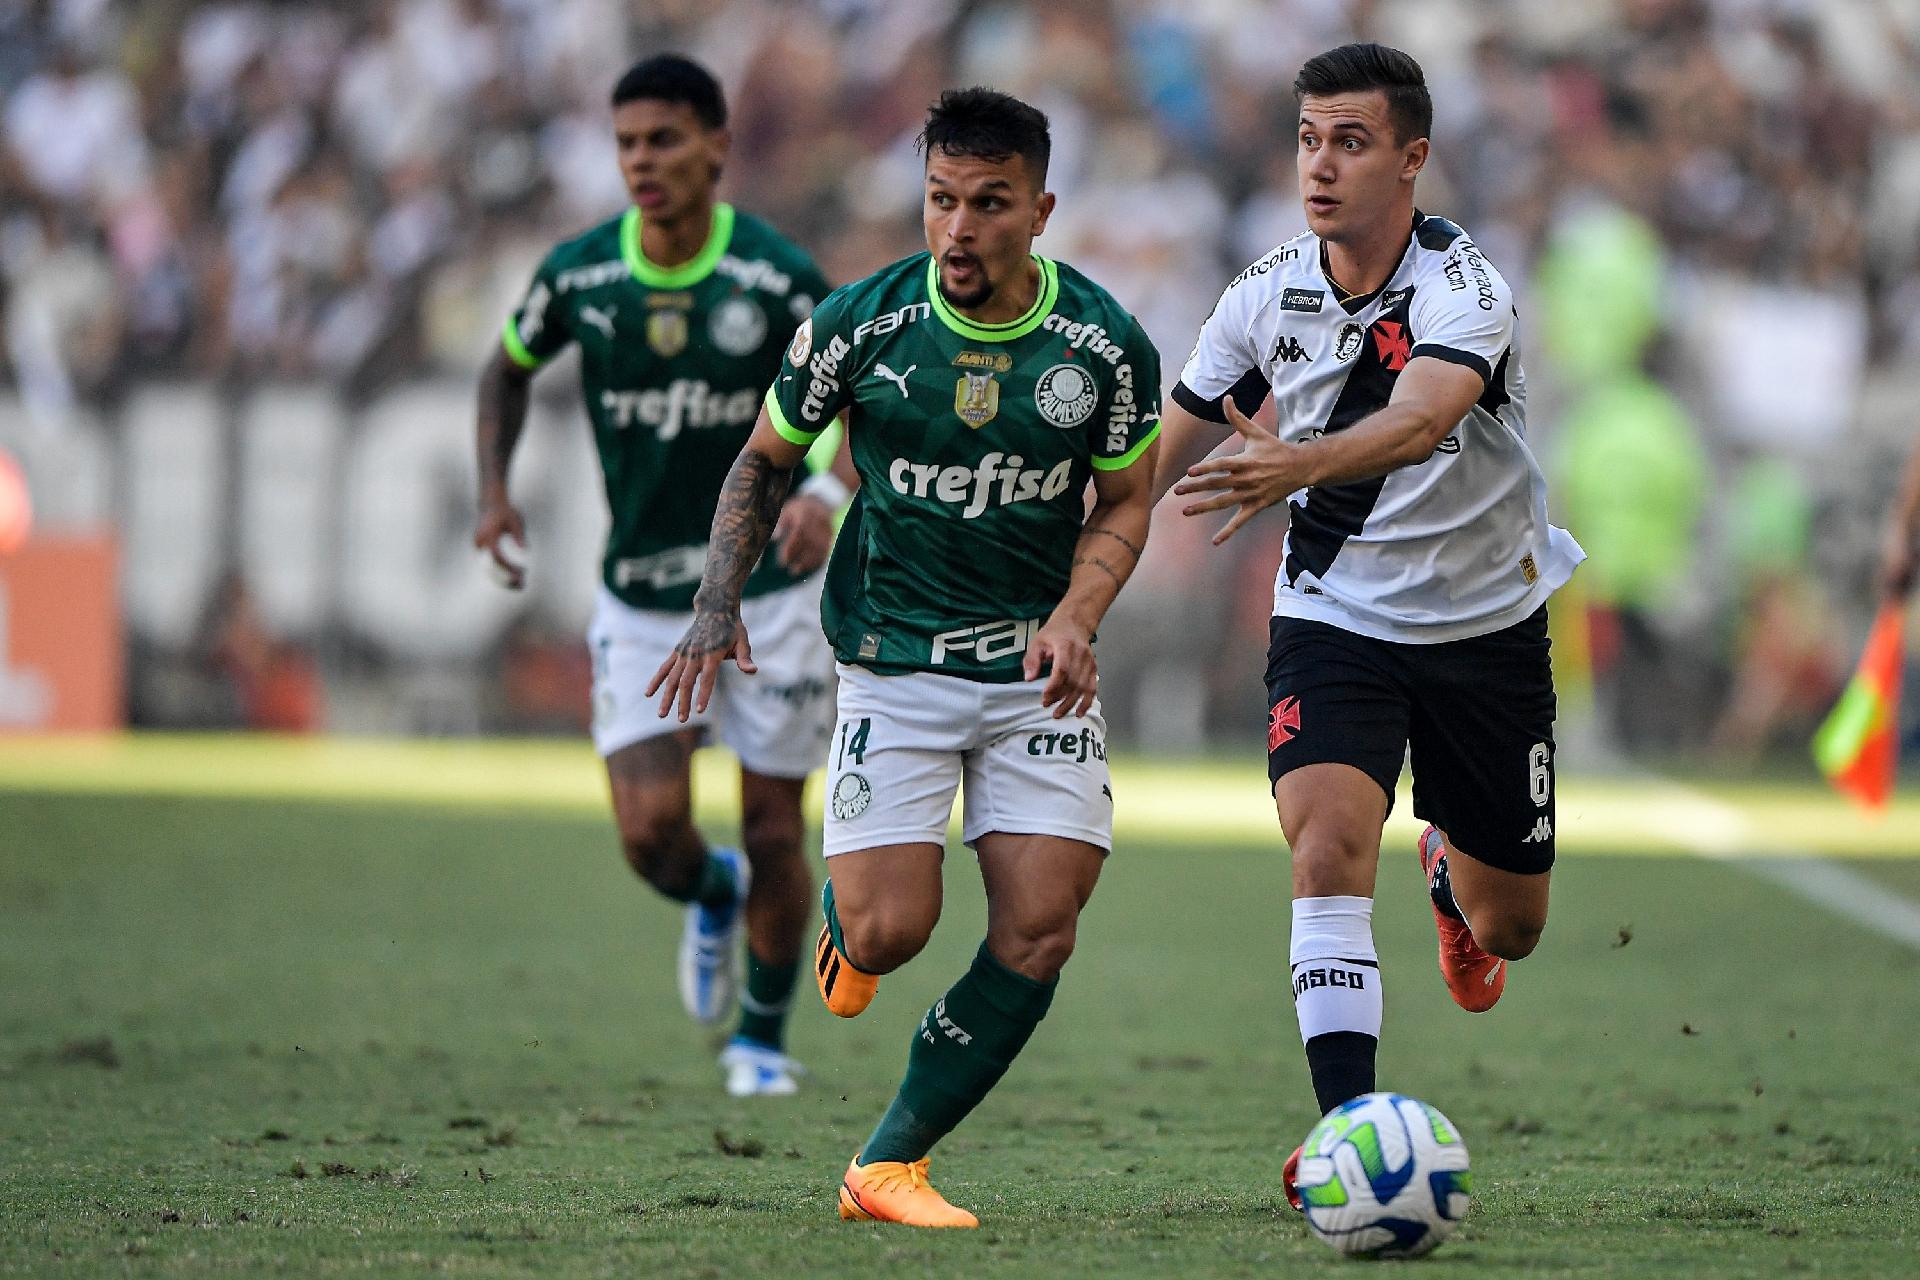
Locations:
column 691, row 671
column 500, row 522
column 804, row 534
column 1264, row 472
column 1074, row 682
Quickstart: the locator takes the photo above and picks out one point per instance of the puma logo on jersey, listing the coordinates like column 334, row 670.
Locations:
column 601, row 320
column 898, row 379
column 1542, row 831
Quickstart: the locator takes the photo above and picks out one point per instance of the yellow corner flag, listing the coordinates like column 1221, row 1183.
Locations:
column 1857, row 746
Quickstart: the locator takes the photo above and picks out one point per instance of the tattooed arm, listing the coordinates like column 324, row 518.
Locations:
column 743, row 523
column 1111, row 542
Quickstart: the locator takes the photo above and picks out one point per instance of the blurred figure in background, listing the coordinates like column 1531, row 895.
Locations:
column 680, row 309
column 346, row 196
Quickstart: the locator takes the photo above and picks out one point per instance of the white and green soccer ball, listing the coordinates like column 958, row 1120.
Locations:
column 1384, row 1176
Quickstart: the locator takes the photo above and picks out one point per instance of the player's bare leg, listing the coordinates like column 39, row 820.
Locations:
column 880, row 905
column 653, row 807
column 1036, row 886
column 773, row 834
column 1485, row 917
column 1331, row 815
column 1506, row 910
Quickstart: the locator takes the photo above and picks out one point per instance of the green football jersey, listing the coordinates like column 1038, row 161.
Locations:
column 975, row 444
column 673, row 363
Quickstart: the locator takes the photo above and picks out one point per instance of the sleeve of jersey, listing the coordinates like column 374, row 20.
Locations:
column 1130, row 419
column 1223, row 364
column 536, row 332
column 1470, row 327
column 815, row 381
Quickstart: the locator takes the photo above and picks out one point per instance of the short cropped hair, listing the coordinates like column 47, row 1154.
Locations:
column 1354, row 68
column 988, row 125
column 668, row 77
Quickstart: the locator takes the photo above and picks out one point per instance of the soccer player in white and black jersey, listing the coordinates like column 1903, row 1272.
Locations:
column 1410, row 608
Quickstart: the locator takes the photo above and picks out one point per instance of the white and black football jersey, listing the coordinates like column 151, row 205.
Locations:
column 1455, row 546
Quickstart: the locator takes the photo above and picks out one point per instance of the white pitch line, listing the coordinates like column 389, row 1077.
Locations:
column 1843, row 891
column 1719, row 831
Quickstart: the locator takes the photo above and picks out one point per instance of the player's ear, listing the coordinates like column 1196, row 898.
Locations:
column 1414, row 158
column 1042, row 210
column 719, row 143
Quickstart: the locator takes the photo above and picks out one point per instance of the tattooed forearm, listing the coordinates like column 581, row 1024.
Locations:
column 1119, row 580
column 503, row 413
column 1121, row 538
column 743, row 523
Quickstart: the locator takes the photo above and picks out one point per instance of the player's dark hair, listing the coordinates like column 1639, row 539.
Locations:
column 1354, row 68
column 988, row 125
column 668, row 77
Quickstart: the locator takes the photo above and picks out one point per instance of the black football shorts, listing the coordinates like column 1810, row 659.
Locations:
column 1476, row 713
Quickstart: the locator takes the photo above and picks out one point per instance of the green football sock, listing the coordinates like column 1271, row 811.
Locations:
column 764, row 1002
column 964, row 1045
column 716, row 886
column 832, row 915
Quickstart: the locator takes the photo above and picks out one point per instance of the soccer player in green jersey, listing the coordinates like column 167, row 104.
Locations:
column 985, row 387
column 681, row 308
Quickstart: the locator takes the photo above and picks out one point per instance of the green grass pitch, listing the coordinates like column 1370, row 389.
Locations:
column 274, row 1035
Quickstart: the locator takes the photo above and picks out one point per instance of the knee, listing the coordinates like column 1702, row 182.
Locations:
column 1511, row 937
column 1038, row 951
column 772, row 835
column 1331, row 860
column 881, row 941
column 657, row 848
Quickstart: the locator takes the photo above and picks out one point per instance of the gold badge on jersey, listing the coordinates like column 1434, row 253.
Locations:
column 976, row 398
column 667, row 323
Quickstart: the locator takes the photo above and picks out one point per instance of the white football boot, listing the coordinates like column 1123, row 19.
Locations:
column 757, row 1072
column 710, row 949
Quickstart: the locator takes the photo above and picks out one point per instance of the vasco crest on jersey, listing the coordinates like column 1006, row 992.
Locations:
column 1065, row 395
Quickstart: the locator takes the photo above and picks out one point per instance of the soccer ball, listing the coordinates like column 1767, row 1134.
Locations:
column 1384, row 1176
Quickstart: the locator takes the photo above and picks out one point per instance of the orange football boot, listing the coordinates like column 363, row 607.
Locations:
column 1290, row 1179
column 893, row 1191
column 846, row 990
column 1474, row 977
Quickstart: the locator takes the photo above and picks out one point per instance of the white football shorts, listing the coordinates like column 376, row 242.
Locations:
column 903, row 744
column 776, row 720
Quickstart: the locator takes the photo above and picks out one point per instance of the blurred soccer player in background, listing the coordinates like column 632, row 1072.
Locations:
column 681, row 307
column 986, row 388
column 1410, row 609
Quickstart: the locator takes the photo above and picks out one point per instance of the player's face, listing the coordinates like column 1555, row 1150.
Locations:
column 669, row 159
column 1353, row 172
column 981, row 218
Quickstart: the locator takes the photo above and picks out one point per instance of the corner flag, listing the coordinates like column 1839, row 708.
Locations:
column 1857, row 746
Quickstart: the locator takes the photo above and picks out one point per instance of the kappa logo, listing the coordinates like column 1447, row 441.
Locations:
column 1288, row 350
column 1391, row 344
column 1283, row 723
column 1542, row 831
column 897, row 379
column 601, row 320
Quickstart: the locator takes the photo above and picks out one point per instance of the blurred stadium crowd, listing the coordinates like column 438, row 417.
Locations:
column 1711, row 209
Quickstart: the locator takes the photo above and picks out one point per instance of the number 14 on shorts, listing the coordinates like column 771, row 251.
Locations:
column 853, row 741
